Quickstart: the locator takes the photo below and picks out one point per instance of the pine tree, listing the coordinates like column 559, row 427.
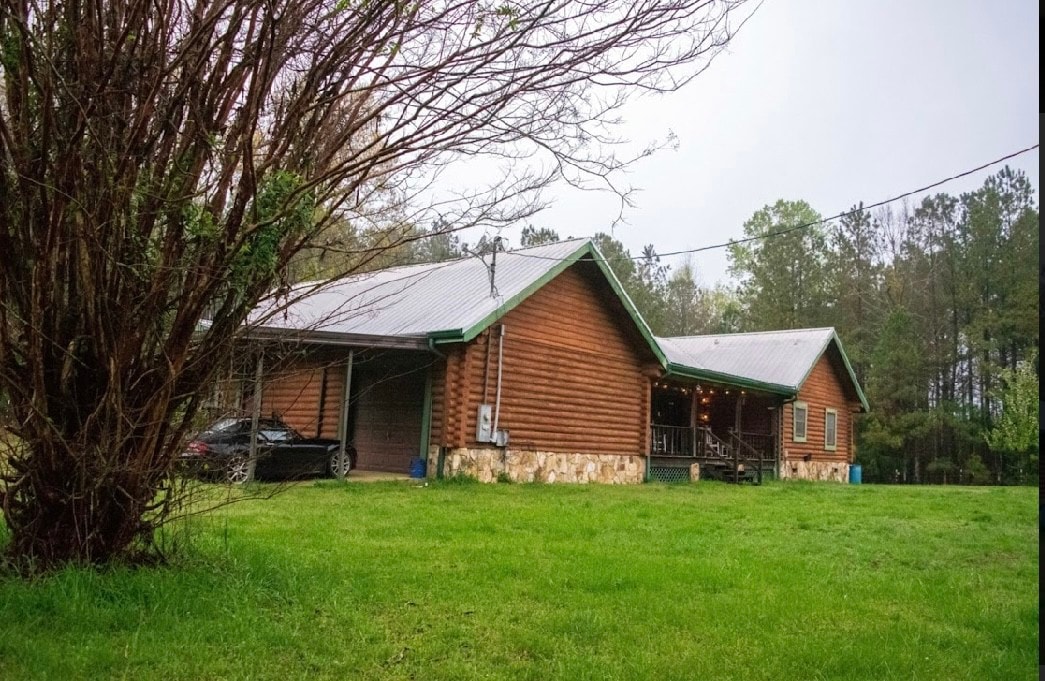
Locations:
column 783, row 277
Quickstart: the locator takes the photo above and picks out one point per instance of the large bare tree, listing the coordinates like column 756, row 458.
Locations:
column 162, row 162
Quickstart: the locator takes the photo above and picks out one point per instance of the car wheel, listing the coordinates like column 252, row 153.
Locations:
column 237, row 469
column 339, row 465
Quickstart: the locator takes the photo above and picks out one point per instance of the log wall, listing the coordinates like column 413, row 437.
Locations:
column 306, row 393
column 572, row 378
column 824, row 388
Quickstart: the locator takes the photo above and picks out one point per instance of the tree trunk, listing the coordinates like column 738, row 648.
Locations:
column 90, row 487
column 66, row 508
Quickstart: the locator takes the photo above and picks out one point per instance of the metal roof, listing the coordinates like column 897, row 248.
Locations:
column 416, row 300
column 778, row 361
column 416, row 305
column 441, row 302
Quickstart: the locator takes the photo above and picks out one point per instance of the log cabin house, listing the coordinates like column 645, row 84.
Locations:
column 536, row 366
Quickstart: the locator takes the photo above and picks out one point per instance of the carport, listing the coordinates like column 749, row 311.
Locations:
column 376, row 399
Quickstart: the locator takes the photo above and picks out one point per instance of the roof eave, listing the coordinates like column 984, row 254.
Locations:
column 447, row 336
column 337, row 338
column 629, row 306
column 852, row 374
column 676, row 369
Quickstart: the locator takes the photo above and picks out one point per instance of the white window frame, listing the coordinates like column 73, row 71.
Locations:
column 833, row 445
column 795, row 407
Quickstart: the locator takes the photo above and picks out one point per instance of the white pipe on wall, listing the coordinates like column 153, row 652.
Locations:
column 500, row 362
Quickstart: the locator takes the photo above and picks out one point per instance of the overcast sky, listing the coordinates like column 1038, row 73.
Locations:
column 831, row 102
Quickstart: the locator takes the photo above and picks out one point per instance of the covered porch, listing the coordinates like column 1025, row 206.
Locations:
column 729, row 430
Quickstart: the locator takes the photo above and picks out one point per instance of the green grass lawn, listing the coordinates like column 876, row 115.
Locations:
column 467, row 581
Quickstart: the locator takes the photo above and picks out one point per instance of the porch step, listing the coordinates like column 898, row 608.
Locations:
column 714, row 470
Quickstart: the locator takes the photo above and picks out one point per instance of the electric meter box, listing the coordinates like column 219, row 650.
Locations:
column 484, row 424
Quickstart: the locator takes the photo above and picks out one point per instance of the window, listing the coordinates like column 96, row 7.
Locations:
column 830, row 429
column 800, row 412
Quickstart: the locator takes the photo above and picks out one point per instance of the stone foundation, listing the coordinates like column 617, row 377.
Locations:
column 830, row 471
column 487, row 464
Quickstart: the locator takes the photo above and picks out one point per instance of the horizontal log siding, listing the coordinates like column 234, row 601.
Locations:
column 647, row 416
column 292, row 393
column 438, row 401
column 572, row 373
column 823, row 388
column 335, row 387
column 445, row 398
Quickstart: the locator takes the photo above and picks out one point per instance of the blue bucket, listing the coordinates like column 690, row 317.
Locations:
column 417, row 467
column 856, row 472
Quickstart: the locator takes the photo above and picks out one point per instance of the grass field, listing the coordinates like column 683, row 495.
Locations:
column 467, row 581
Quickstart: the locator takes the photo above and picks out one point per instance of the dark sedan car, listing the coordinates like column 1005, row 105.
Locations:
column 222, row 451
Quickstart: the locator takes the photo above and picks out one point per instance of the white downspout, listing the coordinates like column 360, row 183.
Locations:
column 500, row 362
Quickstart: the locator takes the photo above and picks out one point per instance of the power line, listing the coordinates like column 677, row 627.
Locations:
column 807, row 225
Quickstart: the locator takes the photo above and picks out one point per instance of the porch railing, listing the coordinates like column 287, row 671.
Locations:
column 744, row 456
column 711, row 446
column 671, row 441
column 761, row 443
column 700, row 442
column 687, row 441
column 742, row 451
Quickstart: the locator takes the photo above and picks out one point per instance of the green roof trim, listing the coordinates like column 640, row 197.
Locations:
column 848, row 367
column 704, row 374
column 517, row 299
column 629, row 307
column 585, row 249
column 447, row 336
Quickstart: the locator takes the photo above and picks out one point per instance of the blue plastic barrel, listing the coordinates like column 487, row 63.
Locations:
column 856, row 472
column 417, row 467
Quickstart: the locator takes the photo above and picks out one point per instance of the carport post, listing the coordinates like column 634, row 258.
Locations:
column 255, row 417
column 426, row 419
column 342, row 421
column 693, row 421
column 740, row 405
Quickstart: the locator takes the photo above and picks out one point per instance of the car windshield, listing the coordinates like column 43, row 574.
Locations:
column 225, row 426
column 273, row 431
column 275, row 434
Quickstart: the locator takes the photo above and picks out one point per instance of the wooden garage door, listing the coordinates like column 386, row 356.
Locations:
column 388, row 400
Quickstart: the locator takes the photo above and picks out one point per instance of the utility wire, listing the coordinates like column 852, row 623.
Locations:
column 807, row 225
